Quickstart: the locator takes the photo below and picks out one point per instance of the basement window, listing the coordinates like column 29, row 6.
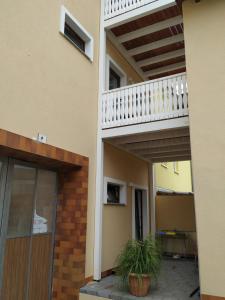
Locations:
column 115, row 191
column 76, row 34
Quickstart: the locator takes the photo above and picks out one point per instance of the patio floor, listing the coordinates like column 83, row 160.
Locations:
column 178, row 278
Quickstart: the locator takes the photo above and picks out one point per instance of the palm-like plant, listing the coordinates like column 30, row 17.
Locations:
column 140, row 258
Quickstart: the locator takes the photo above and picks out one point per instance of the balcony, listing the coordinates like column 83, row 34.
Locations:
column 122, row 10
column 161, row 99
column 117, row 7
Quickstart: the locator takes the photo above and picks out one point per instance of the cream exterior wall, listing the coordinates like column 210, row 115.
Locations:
column 166, row 177
column 177, row 212
column 47, row 85
column 132, row 75
column 204, row 24
column 117, row 220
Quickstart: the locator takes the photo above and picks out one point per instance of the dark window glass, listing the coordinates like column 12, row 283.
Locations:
column 74, row 37
column 113, row 193
column 114, row 80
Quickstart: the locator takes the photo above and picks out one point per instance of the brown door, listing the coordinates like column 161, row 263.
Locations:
column 28, row 216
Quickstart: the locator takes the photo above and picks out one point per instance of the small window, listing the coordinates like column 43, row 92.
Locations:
column 115, row 191
column 75, row 38
column 75, row 33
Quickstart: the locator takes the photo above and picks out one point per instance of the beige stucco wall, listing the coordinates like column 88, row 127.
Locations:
column 47, row 85
column 204, row 24
column 168, row 179
column 132, row 75
column 117, row 220
column 177, row 212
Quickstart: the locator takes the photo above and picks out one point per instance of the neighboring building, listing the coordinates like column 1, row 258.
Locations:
column 174, row 176
column 95, row 96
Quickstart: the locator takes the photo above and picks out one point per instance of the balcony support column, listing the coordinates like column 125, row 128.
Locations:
column 99, row 155
column 152, row 196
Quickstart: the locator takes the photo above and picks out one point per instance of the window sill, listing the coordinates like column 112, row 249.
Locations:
column 82, row 52
column 115, row 204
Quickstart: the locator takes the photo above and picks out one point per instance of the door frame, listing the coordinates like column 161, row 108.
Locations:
column 5, row 201
column 146, row 213
column 3, row 189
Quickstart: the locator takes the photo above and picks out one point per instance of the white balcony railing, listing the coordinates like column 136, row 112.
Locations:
column 116, row 7
column 160, row 99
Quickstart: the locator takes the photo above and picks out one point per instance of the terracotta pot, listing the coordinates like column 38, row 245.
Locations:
column 139, row 286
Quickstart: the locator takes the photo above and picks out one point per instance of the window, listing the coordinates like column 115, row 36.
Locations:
column 114, row 80
column 76, row 34
column 115, row 76
column 33, row 196
column 176, row 167
column 71, row 34
column 115, row 191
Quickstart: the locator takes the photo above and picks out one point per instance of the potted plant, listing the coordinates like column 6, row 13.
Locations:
column 138, row 262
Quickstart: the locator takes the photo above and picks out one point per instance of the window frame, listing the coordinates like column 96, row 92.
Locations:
column 164, row 165
column 75, row 25
column 123, row 191
column 176, row 167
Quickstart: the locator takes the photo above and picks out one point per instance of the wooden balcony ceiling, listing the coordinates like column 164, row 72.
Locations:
column 163, row 146
column 154, row 43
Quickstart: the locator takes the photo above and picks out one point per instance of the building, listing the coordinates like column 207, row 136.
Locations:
column 93, row 94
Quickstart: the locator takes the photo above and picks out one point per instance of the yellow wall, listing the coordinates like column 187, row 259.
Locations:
column 117, row 220
column 166, row 177
column 132, row 75
column 204, row 24
column 47, row 85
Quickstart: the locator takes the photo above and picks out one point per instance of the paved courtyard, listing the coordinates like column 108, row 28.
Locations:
column 178, row 278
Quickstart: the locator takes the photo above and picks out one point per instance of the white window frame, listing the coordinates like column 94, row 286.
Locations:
column 176, row 167
column 164, row 165
column 146, row 210
column 80, row 30
column 123, row 190
column 110, row 63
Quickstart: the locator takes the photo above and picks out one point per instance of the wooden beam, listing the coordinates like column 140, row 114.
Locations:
column 158, row 44
column 172, row 154
column 151, row 136
column 165, row 69
column 150, row 29
column 169, row 149
column 175, row 158
column 160, row 58
column 124, row 53
column 158, row 143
